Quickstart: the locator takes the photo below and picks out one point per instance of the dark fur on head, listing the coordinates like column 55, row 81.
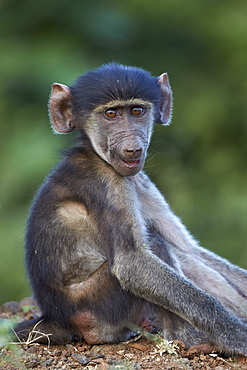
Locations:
column 113, row 82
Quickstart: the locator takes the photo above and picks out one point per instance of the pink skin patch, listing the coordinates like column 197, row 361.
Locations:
column 87, row 324
column 147, row 325
column 206, row 347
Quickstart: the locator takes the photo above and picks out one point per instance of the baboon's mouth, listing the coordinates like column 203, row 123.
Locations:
column 127, row 167
column 132, row 163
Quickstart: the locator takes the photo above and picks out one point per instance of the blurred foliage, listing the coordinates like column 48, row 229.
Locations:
column 199, row 162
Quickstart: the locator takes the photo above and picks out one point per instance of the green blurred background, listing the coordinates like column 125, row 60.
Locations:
column 199, row 162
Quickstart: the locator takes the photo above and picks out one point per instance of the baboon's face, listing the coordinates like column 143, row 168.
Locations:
column 121, row 134
column 116, row 106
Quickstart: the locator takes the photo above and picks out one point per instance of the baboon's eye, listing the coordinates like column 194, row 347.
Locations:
column 111, row 113
column 137, row 111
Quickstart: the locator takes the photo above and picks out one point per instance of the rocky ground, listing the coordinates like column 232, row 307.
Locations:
column 144, row 352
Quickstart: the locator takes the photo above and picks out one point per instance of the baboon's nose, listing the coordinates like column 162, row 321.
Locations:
column 133, row 153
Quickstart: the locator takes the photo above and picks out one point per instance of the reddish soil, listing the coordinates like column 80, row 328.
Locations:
column 141, row 353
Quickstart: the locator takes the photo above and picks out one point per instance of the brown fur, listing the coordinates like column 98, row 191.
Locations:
column 104, row 251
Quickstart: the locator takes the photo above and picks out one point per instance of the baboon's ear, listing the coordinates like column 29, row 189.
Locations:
column 165, row 112
column 60, row 109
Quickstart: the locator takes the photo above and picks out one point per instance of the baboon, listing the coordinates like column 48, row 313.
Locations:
column 103, row 248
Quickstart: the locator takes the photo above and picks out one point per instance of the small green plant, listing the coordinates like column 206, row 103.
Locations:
column 161, row 345
column 9, row 352
column 26, row 308
column 6, row 327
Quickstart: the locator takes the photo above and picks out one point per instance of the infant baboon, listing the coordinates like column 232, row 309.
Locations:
column 103, row 248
